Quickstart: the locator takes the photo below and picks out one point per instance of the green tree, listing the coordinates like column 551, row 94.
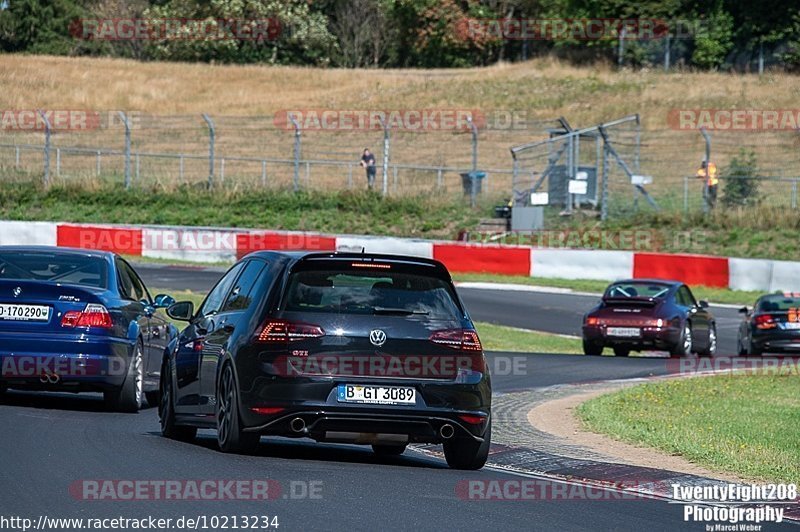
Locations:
column 38, row 26
column 741, row 180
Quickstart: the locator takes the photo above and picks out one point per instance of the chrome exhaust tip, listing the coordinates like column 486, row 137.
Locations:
column 447, row 431
column 298, row 424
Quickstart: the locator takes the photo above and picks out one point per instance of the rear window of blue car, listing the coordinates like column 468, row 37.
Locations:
column 65, row 268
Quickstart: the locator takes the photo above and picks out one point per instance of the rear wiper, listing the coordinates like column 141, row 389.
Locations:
column 399, row 311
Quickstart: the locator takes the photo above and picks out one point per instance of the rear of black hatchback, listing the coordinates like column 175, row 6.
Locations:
column 353, row 348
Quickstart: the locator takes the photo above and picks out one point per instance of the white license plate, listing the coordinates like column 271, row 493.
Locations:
column 626, row 332
column 14, row 312
column 792, row 325
column 380, row 395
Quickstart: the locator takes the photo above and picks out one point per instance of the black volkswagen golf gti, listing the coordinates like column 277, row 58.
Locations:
column 337, row 347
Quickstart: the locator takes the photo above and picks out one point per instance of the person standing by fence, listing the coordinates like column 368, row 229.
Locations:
column 368, row 162
column 708, row 171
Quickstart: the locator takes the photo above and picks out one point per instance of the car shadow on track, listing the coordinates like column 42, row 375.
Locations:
column 84, row 402
column 308, row 450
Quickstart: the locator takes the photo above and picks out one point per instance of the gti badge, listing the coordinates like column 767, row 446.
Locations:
column 377, row 337
column 17, row 291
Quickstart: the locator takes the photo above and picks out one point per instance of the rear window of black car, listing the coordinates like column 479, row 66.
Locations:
column 66, row 268
column 354, row 291
column 623, row 290
column 778, row 303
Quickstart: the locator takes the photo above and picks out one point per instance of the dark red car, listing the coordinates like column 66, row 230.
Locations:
column 649, row 314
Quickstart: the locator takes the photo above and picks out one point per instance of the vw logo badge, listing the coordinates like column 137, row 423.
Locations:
column 377, row 337
column 17, row 291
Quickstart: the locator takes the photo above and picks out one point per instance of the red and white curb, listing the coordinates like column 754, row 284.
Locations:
column 225, row 245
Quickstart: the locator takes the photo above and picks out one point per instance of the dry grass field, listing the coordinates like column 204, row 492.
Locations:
column 243, row 98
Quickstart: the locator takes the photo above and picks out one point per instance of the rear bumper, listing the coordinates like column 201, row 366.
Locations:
column 325, row 418
column 371, row 426
column 651, row 337
column 777, row 341
column 63, row 362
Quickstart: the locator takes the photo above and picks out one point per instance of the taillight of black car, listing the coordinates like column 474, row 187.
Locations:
column 766, row 321
column 466, row 342
column 274, row 331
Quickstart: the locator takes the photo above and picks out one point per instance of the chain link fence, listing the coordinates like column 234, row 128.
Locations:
column 626, row 166
column 265, row 152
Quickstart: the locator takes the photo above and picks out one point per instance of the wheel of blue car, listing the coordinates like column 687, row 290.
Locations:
column 3, row 388
column 166, row 411
column 683, row 347
column 466, row 453
column 130, row 396
column 230, row 436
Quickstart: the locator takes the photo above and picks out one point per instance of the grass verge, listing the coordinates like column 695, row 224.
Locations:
column 714, row 295
column 357, row 212
column 493, row 337
column 742, row 424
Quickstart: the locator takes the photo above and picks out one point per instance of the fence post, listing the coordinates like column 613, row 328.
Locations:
column 439, row 179
column 296, row 152
column 98, row 163
column 58, row 162
column 385, row 125
column 666, row 52
column 685, row 195
column 46, row 148
column 212, row 135
column 16, row 158
column 264, row 173
column 604, row 197
column 222, row 170
column 127, row 149
column 707, row 138
column 794, row 193
column 138, row 168
column 473, row 180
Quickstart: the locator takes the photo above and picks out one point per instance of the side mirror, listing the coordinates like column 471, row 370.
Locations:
column 702, row 303
column 182, row 311
column 743, row 310
column 163, row 301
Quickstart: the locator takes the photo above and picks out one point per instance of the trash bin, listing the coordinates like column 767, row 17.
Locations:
column 472, row 182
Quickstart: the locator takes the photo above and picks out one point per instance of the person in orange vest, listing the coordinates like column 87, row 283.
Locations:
column 708, row 171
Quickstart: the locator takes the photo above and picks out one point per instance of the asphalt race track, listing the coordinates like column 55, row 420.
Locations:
column 51, row 444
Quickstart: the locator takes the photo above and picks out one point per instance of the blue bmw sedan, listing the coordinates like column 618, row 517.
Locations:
column 80, row 321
